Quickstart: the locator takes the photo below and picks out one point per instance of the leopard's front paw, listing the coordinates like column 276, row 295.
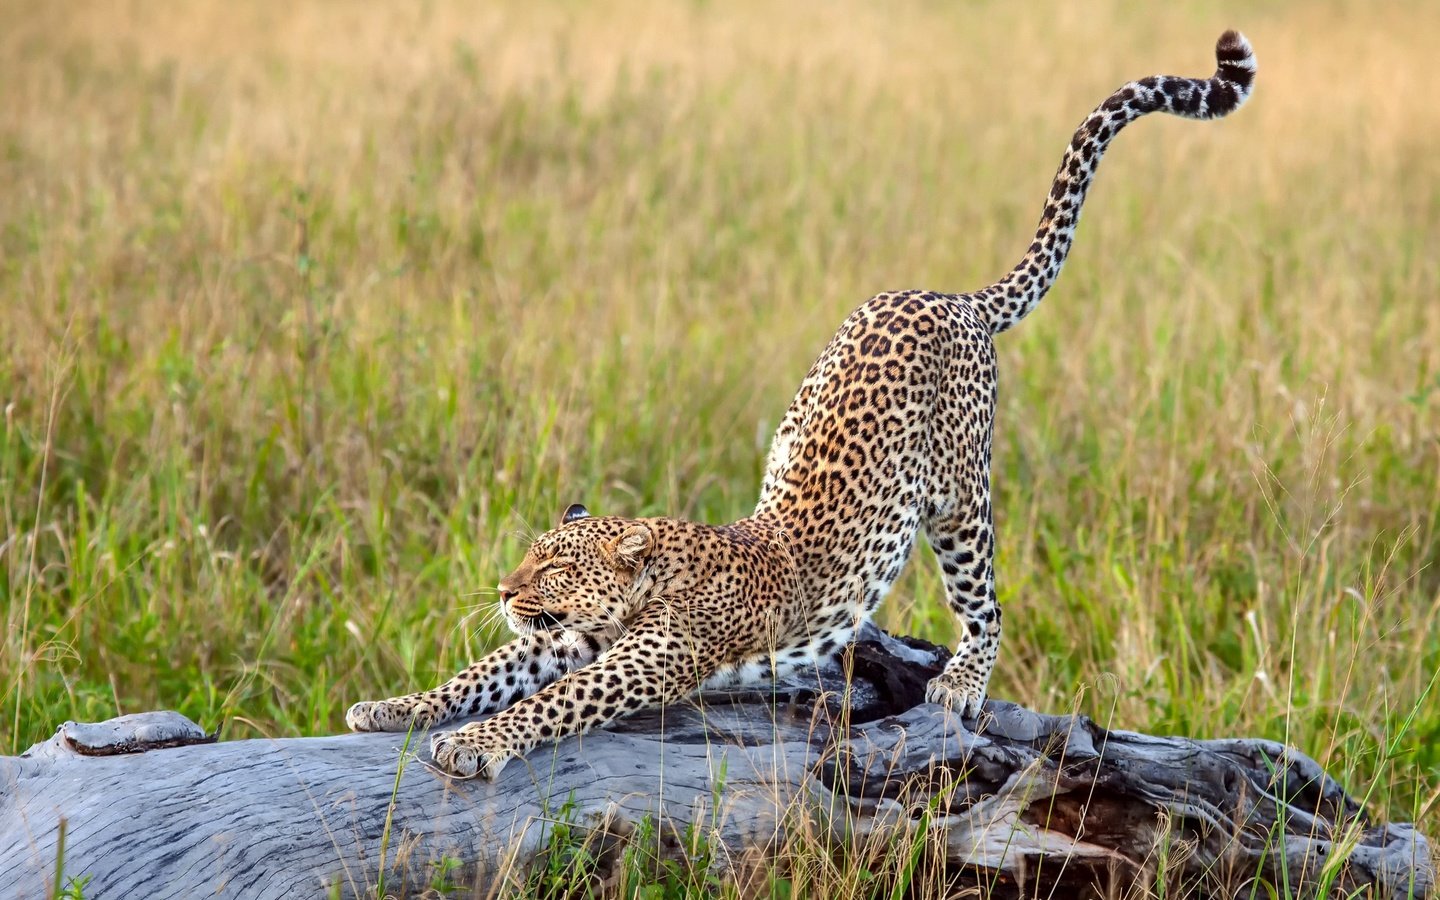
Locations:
column 389, row 715
column 958, row 691
column 470, row 751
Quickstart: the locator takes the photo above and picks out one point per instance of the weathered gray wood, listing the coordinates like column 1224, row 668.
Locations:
column 1047, row 800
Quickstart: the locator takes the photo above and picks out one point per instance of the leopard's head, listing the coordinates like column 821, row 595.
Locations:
column 584, row 574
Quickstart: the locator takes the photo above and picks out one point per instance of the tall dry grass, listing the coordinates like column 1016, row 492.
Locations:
column 312, row 312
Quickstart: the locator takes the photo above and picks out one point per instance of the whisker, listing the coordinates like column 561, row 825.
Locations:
column 490, row 616
column 619, row 625
column 530, row 534
column 481, row 602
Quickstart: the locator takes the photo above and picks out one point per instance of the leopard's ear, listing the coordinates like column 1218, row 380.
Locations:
column 630, row 550
column 572, row 512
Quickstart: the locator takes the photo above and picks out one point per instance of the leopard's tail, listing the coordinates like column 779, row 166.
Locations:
column 1011, row 299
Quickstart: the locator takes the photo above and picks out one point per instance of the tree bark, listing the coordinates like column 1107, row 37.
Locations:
column 1025, row 803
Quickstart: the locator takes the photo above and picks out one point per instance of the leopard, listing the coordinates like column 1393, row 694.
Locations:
column 889, row 436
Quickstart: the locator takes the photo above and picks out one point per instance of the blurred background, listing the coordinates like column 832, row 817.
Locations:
column 312, row 313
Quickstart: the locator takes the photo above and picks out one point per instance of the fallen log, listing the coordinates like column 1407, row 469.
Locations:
column 151, row 806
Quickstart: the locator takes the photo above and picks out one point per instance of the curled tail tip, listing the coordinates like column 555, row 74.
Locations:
column 1235, row 76
column 1235, row 50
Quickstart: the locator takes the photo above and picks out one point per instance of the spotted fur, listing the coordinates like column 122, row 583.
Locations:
column 889, row 434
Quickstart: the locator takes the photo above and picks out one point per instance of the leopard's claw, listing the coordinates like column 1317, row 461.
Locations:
column 388, row 715
column 466, row 753
column 965, row 696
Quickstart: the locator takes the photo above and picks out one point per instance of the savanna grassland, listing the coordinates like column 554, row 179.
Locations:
column 311, row 313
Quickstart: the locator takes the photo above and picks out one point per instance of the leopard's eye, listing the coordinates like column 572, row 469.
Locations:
column 554, row 566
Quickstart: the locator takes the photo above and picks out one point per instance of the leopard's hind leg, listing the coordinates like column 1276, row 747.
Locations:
column 959, row 520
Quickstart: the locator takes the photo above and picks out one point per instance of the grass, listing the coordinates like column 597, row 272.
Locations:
column 312, row 312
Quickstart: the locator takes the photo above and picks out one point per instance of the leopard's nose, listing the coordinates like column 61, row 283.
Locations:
column 506, row 593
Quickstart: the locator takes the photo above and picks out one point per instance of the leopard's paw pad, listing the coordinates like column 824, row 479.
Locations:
column 956, row 695
column 466, row 754
column 387, row 715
